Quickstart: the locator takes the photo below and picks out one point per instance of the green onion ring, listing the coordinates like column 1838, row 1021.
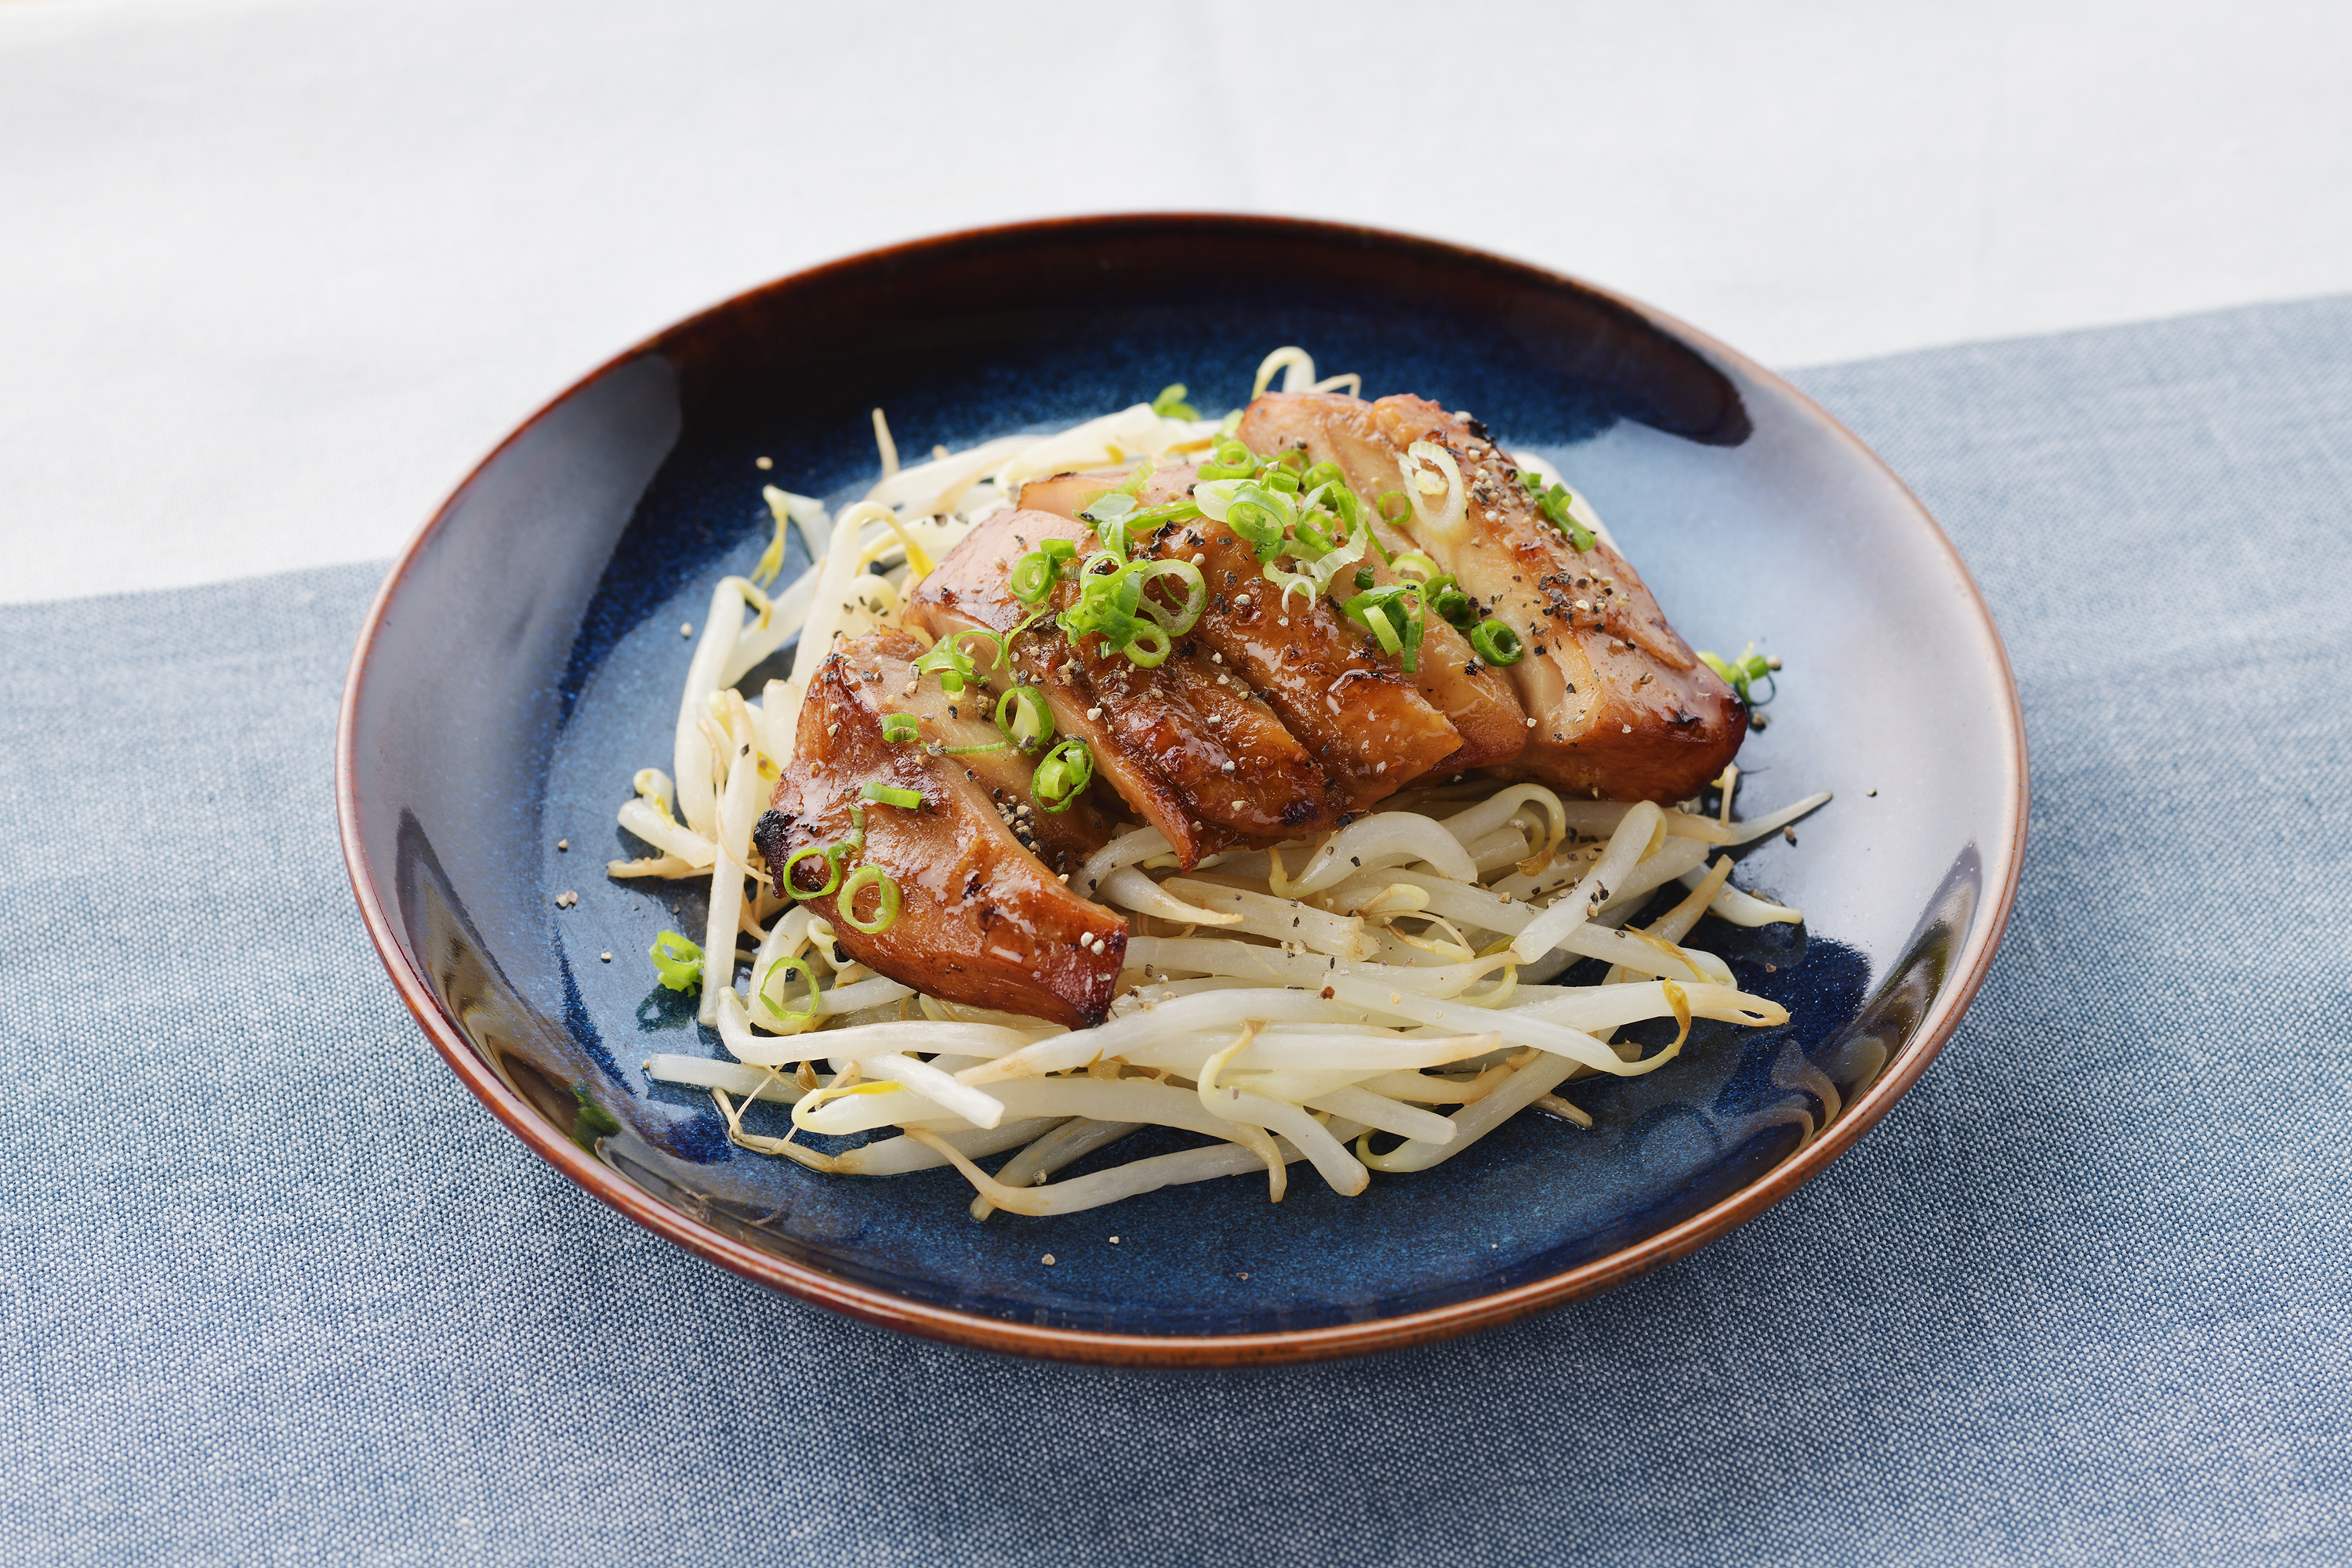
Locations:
column 677, row 958
column 833, row 864
column 1026, row 717
column 790, row 966
column 885, row 916
column 1063, row 775
column 1229, row 459
column 1148, row 647
column 1176, row 622
column 1032, row 578
column 899, row 729
column 1497, row 643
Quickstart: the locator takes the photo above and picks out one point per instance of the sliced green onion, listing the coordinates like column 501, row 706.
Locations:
column 1415, row 561
column 1365, row 576
column 885, row 913
column 1497, row 643
column 1742, row 673
column 1107, row 507
column 1170, row 403
column 1290, row 582
column 1344, row 501
column 1148, row 647
column 1394, row 615
column 831, row 855
column 1260, row 516
column 1181, row 617
column 974, row 751
column 787, row 968
column 899, row 729
column 1259, row 527
column 1323, row 474
column 1113, row 605
column 1309, row 543
column 1063, row 775
column 678, row 959
column 1215, row 497
column 1229, row 460
column 1454, row 607
column 1025, row 716
column 891, row 794
column 954, row 667
column 1144, row 521
column 1032, row 578
column 1402, row 515
column 951, row 664
column 1554, row 502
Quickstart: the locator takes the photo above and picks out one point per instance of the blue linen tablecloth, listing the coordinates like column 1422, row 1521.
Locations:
column 275, row 1289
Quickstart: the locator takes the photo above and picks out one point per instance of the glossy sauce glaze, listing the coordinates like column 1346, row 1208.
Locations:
column 982, row 921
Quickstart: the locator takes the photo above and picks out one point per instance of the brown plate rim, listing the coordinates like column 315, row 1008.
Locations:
column 881, row 1306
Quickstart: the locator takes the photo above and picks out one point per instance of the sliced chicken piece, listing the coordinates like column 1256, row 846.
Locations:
column 1257, row 778
column 1358, row 717
column 1479, row 700
column 1622, row 707
column 1226, row 754
column 967, row 591
column 1475, row 698
column 1191, row 752
column 959, row 732
column 981, row 919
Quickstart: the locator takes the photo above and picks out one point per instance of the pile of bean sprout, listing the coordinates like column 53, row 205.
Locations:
column 1379, row 998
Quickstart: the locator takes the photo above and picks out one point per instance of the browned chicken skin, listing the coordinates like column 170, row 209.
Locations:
column 981, row 919
column 1622, row 707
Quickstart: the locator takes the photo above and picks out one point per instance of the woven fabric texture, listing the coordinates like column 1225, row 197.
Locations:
column 273, row 1288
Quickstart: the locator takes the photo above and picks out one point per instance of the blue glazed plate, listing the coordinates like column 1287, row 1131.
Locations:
column 524, row 659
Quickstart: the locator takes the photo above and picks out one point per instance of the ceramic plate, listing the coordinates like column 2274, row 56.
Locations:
column 524, row 659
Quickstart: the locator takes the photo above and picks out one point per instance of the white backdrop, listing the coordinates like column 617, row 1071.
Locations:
column 273, row 274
